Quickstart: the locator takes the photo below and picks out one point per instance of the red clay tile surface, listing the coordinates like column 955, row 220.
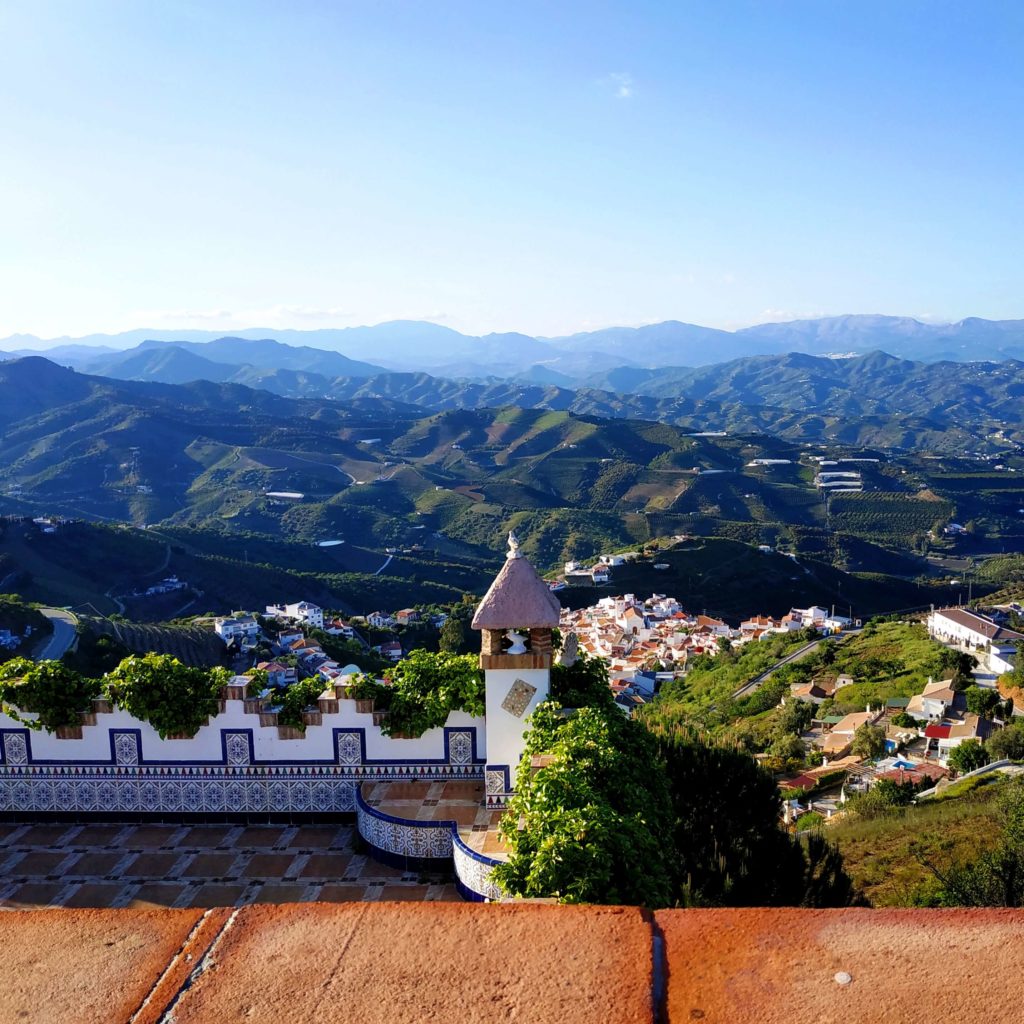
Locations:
column 411, row 964
column 86, row 966
column 195, row 866
column 402, row 963
column 791, row 966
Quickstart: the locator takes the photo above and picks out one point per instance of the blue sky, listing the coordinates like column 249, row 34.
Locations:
column 544, row 167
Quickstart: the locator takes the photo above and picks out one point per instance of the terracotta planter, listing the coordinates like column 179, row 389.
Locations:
column 232, row 693
column 328, row 705
column 289, row 732
column 69, row 732
column 380, row 717
column 312, row 718
column 102, row 706
column 178, row 736
column 252, row 705
column 88, row 718
column 364, row 705
column 268, row 718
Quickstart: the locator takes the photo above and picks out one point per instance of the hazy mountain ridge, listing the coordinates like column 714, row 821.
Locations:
column 421, row 345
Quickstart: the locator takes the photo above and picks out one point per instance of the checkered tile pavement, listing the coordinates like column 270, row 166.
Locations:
column 100, row 865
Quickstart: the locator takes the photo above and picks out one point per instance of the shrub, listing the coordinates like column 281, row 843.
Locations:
column 1007, row 742
column 172, row 697
column 296, row 698
column 51, row 689
column 582, row 684
column 427, row 686
column 364, row 687
column 967, row 756
column 576, row 825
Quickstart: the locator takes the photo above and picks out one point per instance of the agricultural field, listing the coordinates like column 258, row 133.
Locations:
column 887, row 517
column 191, row 645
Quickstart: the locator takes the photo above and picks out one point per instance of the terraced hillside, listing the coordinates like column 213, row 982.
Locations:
column 249, row 496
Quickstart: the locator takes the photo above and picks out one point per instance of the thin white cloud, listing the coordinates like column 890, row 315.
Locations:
column 622, row 84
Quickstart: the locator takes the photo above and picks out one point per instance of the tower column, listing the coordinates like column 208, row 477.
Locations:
column 515, row 617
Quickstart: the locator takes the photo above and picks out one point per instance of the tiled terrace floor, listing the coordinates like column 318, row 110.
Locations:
column 461, row 802
column 100, row 865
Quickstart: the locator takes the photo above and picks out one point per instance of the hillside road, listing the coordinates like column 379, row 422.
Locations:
column 801, row 652
column 63, row 635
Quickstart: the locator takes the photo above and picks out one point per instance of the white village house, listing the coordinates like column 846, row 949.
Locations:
column 237, row 626
column 994, row 645
column 301, row 611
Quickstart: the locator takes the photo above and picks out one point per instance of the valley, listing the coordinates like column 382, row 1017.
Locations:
column 374, row 500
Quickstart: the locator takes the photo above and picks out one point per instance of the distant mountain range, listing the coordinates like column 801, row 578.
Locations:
column 562, row 361
column 875, row 399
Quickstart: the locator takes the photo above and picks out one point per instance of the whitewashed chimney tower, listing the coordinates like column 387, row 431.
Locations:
column 515, row 618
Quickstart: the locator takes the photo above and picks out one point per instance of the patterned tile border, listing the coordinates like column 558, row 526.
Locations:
column 402, row 841
column 238, row 784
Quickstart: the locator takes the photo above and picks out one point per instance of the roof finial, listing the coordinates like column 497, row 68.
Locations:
column 513, row 545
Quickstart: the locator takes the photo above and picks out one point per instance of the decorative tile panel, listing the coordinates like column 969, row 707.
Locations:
column 126, row 748
column 236, row 746
column 350, row 748
column 403, row 838
column 474, row 871
column 15, row 748
column 496, row 780
column 460, row 747
column 518, row 698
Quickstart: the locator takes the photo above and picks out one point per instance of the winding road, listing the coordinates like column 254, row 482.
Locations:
column 63, row 635
column 801, row 652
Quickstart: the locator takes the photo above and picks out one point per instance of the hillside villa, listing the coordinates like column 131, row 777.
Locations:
column 993, row 644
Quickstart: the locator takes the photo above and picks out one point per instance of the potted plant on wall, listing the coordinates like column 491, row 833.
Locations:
column 58, row 695
column 366, row 692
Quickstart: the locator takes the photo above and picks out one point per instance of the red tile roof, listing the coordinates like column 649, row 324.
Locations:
column 938, row 732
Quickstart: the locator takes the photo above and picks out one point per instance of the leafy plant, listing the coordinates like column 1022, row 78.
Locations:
column 427, row 686
column 56, row 693
column 296, row 698
column 967, row 756
column 172, row 697
column 582, row 684
column 365, row 687
column 1007, row 742
column 599, row 804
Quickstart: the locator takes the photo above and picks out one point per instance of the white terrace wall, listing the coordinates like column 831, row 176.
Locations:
column 232, row 765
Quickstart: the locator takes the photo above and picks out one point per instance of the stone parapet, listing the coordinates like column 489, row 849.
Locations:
column 402, row 963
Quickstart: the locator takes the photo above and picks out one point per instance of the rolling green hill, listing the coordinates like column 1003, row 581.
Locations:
column 421, row 501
